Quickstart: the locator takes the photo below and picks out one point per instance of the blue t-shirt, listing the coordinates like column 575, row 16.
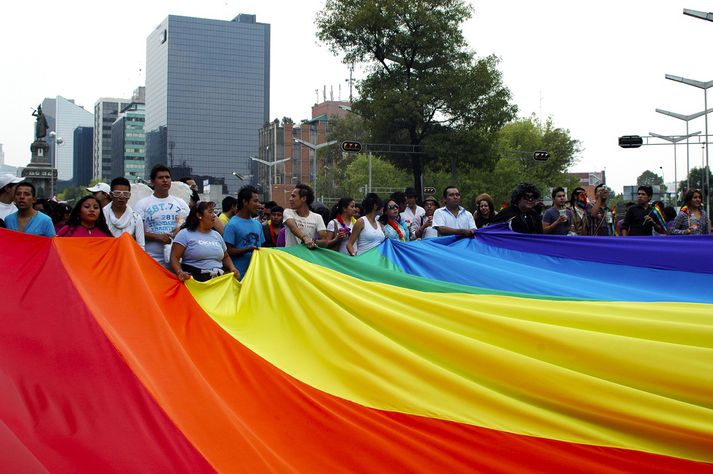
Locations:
column 242, row 233
column 40, row 224
column 203, row 250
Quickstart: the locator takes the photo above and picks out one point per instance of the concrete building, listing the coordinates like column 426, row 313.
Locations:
column 83, row 146
column 277, row 142
column 207, row 95
column 3, row 167
column 106, row 111
column 63, row 117
column 589, row 180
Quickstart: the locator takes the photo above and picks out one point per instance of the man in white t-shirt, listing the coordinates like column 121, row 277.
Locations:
column 301, row 224
column 453, row 219
column 162, row 213
column 7, row 194
column 413, row 213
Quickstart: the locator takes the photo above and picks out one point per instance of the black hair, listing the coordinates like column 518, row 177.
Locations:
column 384, row 217
column 269, row 205
column 575, row 194
column 647, row 189
column 47, row 206
column 324, row 212
column 340, row 206
column 483, row 197
column 228, row 203
column 306, row 192
column 157, row 168
column 596, row 188
column 119, row 181
column 521, row 190
column 399, row 197
column 370, row 202
column 558, row 189
column 410, row 192
column 75, row 219
column 245, row 194
column 445, row 190
column 277, row 209
column 186, row 179
column 193, row 220
column 59, row 211
column 669, row 213
column 27, row 184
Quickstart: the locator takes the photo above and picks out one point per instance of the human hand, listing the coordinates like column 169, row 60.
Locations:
column 236, row 273
column 165, row 238
column 183, row 276
column 310, row 243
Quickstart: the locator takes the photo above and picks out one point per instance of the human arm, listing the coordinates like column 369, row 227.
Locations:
column 177, row 251
column 333, row 235
column 681, row 224
column 445, row 230
column 356, row 230
column 297, row 232
column 425, row 224
column 139, row 235
column 550, row 221
column 228, row 263
column 218, row 226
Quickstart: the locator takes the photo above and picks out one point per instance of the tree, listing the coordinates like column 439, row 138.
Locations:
column 424, row 87
column 649, row 178
column 697, row 177
column 383, row 175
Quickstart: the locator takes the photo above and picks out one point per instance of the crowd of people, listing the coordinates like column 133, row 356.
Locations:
column 193, row 241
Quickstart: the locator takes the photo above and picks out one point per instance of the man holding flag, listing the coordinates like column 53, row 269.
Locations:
column 638, row 220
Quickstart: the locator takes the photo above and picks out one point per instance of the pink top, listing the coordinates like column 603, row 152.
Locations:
column 81, row 231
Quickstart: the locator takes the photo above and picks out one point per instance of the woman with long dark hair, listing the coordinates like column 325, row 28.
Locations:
column 341, row 224
column 368, row 231
column 86, row 220
column 198, row 251
column 394, row 227
column 692, row 219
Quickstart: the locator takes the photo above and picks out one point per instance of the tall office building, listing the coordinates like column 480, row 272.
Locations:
column 207, row 95
column 129, row 142
column 106, row 111
column 83, row 139
column 63, row 117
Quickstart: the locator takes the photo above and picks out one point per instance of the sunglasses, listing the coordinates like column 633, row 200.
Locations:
column 393, row 206
column 121, row 194
column 529, row 197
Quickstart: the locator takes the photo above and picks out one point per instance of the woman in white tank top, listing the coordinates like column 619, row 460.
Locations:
column 367, row 232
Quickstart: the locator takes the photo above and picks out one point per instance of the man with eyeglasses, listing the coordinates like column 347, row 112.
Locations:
column 120, row 217
column 453, row 219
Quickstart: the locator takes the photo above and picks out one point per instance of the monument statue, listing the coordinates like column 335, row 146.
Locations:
column 41, row 125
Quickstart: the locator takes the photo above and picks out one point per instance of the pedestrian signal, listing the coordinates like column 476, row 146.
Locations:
column 353, row 147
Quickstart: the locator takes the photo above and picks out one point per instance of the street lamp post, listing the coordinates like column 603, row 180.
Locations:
column 686, row 118
column 315, row 148
column 270, row 165
column 57, row 141
column 674, row 139
column 705, row 86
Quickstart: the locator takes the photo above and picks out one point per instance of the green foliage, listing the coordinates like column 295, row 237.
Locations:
column 73, row 194
column 424, row 88
column 697, row 177
column 649, row 178
column 355, row 177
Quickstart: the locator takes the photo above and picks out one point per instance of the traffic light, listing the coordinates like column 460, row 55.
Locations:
column 353, row 147
column 429, row 190
column 631, row 141
column 540, row 155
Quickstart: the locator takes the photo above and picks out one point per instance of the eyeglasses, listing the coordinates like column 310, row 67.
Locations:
column 393, row 206
column 121, row 194
column 529, row 197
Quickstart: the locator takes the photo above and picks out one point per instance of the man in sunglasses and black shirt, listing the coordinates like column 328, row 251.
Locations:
column 120, row 218
column 521, row 213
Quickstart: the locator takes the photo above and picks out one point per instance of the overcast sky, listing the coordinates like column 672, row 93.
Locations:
column 597, row 68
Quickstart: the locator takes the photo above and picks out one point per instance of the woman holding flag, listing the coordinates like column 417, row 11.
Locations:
column 578, row 205
column 692, row 219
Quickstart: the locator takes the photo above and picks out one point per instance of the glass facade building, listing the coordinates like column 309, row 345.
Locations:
column 207, row 95
column 83, row 138
column 106, row 111
column 128, row 143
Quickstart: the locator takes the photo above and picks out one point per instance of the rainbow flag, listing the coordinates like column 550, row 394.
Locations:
column 684, row 209
column 582, row 200
column 657, row 213
column 447, row 355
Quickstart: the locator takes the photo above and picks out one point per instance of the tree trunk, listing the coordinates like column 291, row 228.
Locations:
column 417, row 167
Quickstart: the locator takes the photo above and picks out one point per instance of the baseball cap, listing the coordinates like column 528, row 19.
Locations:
column 6, row 179
column 100, row 187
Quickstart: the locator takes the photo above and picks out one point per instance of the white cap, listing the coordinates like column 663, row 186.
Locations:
column 100, row 187
column 6, row 179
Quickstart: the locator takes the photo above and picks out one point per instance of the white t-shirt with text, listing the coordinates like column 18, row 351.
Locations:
column 310, row 226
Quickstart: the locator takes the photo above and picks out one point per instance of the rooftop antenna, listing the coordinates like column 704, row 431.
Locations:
column 324, row 93
column 316, row 93
column 350, row 80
